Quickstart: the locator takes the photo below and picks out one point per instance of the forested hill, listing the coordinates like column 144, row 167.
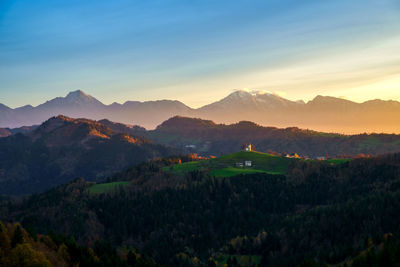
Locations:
column 316, row 213
column 34, row 159
column 206, row 137
column 209, row 138
column 62, row 149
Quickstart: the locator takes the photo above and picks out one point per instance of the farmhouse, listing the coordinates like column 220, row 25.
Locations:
column 247, row 163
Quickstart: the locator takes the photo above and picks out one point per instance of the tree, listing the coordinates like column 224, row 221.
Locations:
column 63, row 253
column 5, row 245
column 24, row 255
column 4, row 239
column 18, row 237
column 211, row 263
column 131, row 258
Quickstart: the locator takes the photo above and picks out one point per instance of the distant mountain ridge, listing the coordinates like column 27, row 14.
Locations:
column 78, row 104
column 4, row 132
column 323, row 113
column 209, row 138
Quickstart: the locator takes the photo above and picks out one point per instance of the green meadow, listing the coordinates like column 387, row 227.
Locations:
column 228, row 172
column 225, row 166
column 106, row 187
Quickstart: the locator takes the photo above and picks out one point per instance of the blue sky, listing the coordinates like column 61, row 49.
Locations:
column 198, row 51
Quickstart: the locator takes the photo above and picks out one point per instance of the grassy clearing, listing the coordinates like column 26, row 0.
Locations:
column 185, row 167
column 106, row 187
column 260, row 161
column 225, row 166
column 228, row 172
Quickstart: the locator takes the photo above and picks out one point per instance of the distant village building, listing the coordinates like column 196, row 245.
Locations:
column 248, row 147
column 194, row 156
column 247, row 163
column 239, row 164
column 293, row 156
column 321, row 158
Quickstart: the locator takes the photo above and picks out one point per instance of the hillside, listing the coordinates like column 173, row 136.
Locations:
column 226, row 165
column 35, row 158
column 208, row 138
column 62, row 149
column 316, row 213
column 4, row 132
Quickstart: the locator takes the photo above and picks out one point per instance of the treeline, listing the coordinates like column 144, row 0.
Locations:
column 318, row 211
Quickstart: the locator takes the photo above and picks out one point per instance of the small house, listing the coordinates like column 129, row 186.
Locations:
column 247, row 163
column 239, row 164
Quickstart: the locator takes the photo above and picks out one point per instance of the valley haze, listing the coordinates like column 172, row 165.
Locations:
column 323, row 113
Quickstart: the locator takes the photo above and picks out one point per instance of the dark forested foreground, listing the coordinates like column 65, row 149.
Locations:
column 316, row 214
column 19, row 247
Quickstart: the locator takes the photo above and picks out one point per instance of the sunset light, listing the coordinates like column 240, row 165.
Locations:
column 199, row 133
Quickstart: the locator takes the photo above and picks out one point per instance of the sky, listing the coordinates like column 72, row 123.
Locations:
column 198, row 51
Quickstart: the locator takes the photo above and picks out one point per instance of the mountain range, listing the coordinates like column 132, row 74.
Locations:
column 323, row 113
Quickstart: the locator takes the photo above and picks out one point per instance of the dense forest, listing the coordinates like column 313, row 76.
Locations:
column 20, row 247
column 316, row 214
